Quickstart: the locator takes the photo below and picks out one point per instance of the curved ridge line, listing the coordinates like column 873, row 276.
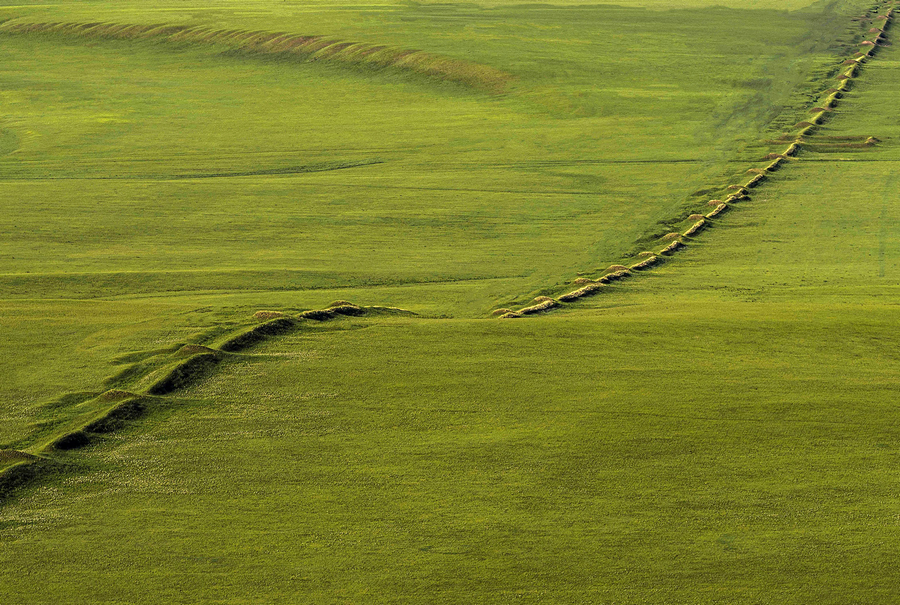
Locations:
column 284, row 44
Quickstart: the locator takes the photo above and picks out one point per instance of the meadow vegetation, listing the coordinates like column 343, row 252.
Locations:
column 308, row 327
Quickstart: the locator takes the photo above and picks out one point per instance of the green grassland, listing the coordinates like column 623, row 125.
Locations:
column 717, row 430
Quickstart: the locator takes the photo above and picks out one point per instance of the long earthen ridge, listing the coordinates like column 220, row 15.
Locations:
column 679, row 241
column 282, row 44
column 181, row 366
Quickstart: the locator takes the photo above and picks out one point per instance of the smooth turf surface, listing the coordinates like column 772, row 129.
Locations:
column 717, row 430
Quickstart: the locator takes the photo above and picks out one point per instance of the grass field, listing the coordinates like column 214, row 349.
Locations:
column 718, row 429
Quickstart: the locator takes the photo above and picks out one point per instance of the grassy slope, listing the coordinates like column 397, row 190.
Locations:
column 480, row 200
column 414, row 461
column 719, row 430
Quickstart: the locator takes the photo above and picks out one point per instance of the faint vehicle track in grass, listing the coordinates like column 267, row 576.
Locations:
column 289, row 170
column 888, row 198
